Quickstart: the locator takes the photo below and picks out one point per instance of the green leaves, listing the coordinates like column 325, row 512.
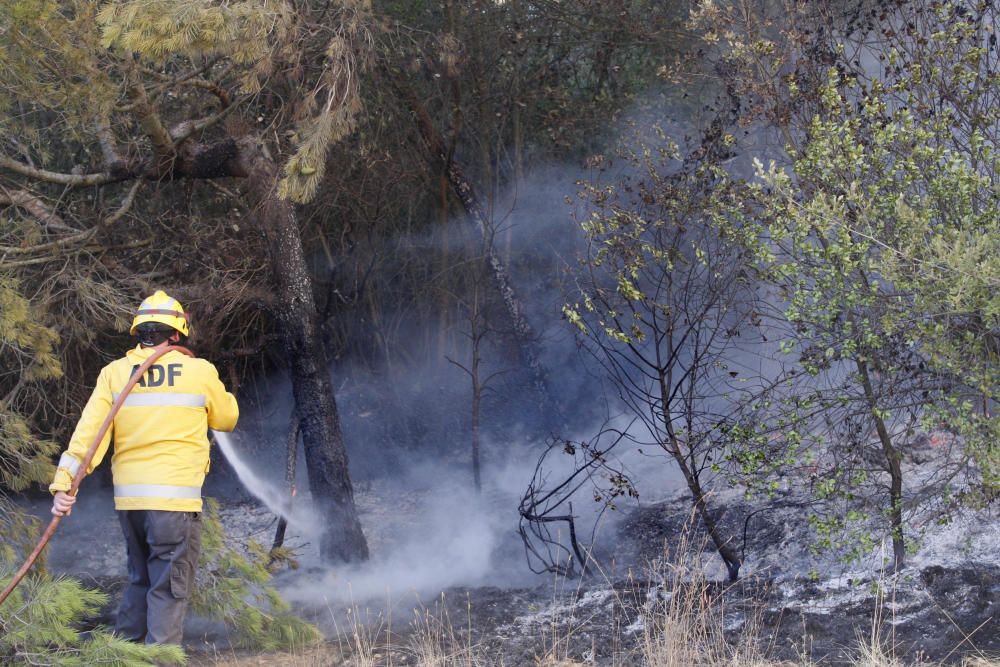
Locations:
column 880, row 240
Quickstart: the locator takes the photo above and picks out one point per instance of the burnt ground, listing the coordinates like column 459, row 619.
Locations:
column 934, row 612
column 790, row 603
column 603, row 624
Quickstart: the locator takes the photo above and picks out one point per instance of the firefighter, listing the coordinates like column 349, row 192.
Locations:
column 161, row 456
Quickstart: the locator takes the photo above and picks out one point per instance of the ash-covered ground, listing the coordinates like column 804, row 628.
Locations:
column 452, row 563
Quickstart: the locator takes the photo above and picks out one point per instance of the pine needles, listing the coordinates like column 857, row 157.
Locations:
column 37, row 627
column 235, row 588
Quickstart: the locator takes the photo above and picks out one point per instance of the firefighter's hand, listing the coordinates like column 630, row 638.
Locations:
column 62, row 503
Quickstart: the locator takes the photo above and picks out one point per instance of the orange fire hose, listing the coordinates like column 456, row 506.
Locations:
column 158, row 352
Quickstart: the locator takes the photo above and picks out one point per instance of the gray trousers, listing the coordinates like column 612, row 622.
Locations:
column 162, row 557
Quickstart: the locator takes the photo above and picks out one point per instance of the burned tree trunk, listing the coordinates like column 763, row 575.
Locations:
column 322, row 440
column 291, row 445
column 440, row 158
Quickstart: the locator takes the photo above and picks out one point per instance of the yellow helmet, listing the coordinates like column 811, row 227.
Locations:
column 162, row 308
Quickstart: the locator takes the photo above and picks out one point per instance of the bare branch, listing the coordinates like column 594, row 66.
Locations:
column 211, row 86
column 34, row 261
column 168, row 82
column 70, row 180
column 126, row 205
column 80, row 237
column 113, row 162
column 251, row 351
column 150, row 122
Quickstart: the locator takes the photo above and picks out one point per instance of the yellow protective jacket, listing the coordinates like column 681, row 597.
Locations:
column 160, row 433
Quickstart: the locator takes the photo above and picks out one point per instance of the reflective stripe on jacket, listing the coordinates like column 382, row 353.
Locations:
column 160, row 433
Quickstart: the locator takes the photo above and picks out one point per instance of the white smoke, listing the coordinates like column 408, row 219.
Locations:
column 450, row 539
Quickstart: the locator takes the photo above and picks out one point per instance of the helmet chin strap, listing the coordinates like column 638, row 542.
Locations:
column 157, row 338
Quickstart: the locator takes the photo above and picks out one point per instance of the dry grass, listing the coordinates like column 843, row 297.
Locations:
column 330, row 656
column 365, row 642
column 319, row 656
column 684, row 622
column 436, row 643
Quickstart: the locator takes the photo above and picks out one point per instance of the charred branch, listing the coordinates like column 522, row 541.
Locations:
column 205, row 161
column 536, row 525
column 291, row 458
column 542, row 506
column 252, row 351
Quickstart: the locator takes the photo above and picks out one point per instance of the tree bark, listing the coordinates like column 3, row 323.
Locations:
column 322, row 439
column 729, row 557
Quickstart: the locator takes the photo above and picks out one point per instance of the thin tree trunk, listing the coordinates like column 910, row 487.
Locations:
column 518, row 131
column 498, row 271
column 726, row 552
column 444, row 258
column 476, row 474
column 477, row 401
column 732, row 561
column 894, row 468
column 322, row 439
column 291, row 457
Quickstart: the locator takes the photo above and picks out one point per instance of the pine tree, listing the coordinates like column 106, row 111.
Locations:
column 234, row 587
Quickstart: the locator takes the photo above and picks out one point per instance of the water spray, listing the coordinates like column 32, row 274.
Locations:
column 158, row 352
column 274, row 499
